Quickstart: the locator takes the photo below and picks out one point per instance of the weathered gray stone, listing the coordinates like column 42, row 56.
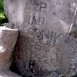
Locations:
column 41, row 24
column 53, row 74
column 8, row 73
column 67, row 53
column 8, row 38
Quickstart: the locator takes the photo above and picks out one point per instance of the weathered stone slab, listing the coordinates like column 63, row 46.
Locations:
column 8, row 38
column 41, row 24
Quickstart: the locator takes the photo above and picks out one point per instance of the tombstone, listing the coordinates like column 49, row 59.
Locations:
column 8, row 38
column 41, row 23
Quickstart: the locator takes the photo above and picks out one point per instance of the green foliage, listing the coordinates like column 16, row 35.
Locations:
column 2, row 16
column 1, row 6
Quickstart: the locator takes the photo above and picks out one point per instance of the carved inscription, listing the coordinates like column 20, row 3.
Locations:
column 36, row 20
column 47, row 38
column 38, row 14
column 42, row 39
column 39, row 6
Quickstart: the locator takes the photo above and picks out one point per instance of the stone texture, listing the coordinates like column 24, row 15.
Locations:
column 8, row 73
column 8, row 38
column 41, row 24
column 53, row 74
column 67, row 53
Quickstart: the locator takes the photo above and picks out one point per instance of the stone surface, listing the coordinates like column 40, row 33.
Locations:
column 41, row 24
column 67, row 53
column 53, row 74
column 8, row 73
column 8, row 38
